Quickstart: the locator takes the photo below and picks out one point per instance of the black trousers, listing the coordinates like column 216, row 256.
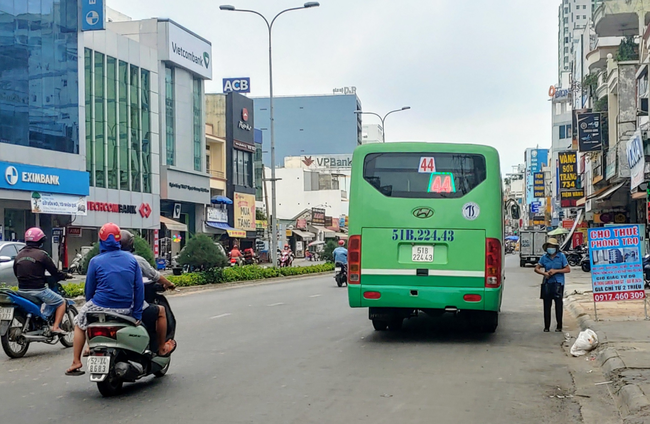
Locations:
column 559, row 307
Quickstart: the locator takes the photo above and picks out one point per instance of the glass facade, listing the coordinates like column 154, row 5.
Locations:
column 118, row 123
column 259, row 172
column 39, row 104
column 242, row 168
column 170, row 141
column 196, row 122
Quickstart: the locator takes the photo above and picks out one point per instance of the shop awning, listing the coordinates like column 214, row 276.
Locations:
column 173, row 225
column 610, row 190
column 342, row 236
column 306, row 235
column 232, row 232
column 581, row 202
column 327, row 233
column 639, row 195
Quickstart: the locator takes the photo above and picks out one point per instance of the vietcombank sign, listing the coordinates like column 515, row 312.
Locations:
column 188, row 50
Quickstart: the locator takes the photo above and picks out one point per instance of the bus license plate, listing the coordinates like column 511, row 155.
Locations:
column 6, row 314
column 98, row 364
column 422, row 254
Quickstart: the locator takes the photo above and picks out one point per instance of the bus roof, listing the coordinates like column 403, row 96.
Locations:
column 419, row 146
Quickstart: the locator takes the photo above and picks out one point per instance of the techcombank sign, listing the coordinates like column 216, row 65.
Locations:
column 187, row 49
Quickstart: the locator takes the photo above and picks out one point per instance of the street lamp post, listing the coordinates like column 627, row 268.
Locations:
column 274, row 240
column 383, row 125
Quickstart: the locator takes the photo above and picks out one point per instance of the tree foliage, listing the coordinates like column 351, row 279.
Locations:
column 202, row 254
column 142, row 248
column 328, row 250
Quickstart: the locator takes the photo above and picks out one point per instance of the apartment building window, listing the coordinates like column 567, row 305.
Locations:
column 136, row 142
column 88, row 72
column 196, row 117
column 242, row 165
column 111, row 122
column 170, row 142
column 99, row 145
column 145, row 110
column 584, row 16
column 565, row 131
column 207, row 159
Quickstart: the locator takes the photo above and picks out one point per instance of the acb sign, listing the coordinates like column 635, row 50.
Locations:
column 239, row 85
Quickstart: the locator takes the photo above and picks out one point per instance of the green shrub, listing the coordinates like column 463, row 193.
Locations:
column 142, row 248
column 201, row 253
column 188, row 280
column 73, row 289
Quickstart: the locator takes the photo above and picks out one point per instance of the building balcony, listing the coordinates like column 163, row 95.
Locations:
column 615, row 18
column 220, row 175
column 597, row 58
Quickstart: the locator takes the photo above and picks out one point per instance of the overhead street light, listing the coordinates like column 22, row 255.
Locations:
column 383, row 119
column 269, row 25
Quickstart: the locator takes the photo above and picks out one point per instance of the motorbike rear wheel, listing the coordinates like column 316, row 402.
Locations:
column 111, row 386
column 9, row 342
column 67, row 324
column 586, row 266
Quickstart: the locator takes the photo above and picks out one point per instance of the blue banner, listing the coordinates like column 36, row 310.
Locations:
column 92, row 15
column 18, row 176
column 239, row 85
column 616, row 263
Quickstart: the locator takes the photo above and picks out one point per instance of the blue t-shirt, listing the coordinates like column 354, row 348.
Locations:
column 558, row 262
column 340, row 255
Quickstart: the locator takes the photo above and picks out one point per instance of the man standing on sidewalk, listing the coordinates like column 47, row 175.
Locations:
column 553, row 265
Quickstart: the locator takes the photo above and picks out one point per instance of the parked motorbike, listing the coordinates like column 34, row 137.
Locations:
column 250, row 258
column 585, row 265
column 121, row 351
column 75, row 266
column 285, row 259
column 574, row 257
column 23, row 323
column 646, row 271
column 341, row 274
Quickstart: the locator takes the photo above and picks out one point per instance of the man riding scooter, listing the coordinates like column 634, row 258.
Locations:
column 341, row 258
column 156, row 317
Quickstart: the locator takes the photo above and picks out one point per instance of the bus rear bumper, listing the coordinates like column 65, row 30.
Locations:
column 423, row 298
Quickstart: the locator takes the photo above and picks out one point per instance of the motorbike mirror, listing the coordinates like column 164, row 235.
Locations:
column 4, row 259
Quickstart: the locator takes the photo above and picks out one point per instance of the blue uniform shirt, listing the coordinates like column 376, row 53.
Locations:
column 558, row 262
column 340, row 255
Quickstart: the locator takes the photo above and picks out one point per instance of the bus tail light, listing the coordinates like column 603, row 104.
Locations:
column 492, row 263
column 371, row 295
column 472, row 298
column 354, row 260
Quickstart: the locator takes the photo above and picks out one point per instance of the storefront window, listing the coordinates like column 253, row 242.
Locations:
column 197, row 128
column 111, row 104
column 146, row 132
column 134, row 99
column 123, row 86
column 169, row 117
column 88, row 75
column 39, row 74
column 100, row 144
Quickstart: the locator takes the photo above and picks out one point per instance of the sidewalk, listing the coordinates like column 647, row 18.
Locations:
column 624, row 344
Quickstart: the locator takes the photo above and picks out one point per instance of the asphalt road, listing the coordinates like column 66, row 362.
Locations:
column 294, row 352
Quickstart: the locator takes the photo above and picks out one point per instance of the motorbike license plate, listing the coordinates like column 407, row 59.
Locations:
column 337, row 269
column 98, row 364
column 6, row 314
column 421, row 253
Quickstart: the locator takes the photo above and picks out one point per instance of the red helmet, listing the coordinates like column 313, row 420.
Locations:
column 341, row 242
column 286, row 246
column 34, row 235
column 110, row 229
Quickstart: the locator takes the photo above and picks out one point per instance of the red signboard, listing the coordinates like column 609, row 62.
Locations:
column 568, row 224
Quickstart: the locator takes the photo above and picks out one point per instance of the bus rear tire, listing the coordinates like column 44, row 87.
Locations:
column 522, row 264
column 484, row 321
column 396, row 324
column 379, row 325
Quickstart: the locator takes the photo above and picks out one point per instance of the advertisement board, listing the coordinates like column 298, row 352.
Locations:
column 538, row 185
column 58, row 204
column 217, row 214
column 240, row 85
column 635, row 159
column 616, row 263
column 188, row 50
column 589, row 132
column 568, row 179
column 92, row 15
column 244, row 205
column 318, row 216
column 535, row 160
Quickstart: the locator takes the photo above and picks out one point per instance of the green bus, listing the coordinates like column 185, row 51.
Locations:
column 426, row 232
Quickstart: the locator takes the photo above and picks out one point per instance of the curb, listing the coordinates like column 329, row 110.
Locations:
column 80, row 300
column 630, row 397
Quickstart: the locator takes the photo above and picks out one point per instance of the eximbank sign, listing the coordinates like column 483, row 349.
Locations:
column 188, row 50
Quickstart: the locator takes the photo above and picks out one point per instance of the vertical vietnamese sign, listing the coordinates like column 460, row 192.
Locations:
column 538, row 185
column 245, row 211
column 616, row 263
column 568, row 179
column 92, row 15
column 635, row 159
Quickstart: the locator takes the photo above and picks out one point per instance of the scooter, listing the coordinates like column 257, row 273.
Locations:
column 286, row 259
column 341, row 274
column 585, row 265
column 120, row 349
column 75, row 266
column 23, row 323
column 250, row 258
column 574, row 257
column 646, row 271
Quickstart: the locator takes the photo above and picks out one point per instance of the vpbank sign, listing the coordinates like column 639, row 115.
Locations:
column 18, row 176
column 188, row 50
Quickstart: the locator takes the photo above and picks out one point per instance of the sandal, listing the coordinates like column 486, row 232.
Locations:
column 76, row 372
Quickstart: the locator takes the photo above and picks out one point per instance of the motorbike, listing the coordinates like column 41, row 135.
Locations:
column 585, row 265
column 121, row 350
column 574, row 257
column 285, row 259
column 341, row 274
column 75, row 266
column 23, row 323
column 250, row 258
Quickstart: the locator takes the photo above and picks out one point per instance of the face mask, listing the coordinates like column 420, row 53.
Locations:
column 551, row 250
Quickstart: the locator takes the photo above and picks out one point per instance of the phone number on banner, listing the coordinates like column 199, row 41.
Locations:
column 627, row 295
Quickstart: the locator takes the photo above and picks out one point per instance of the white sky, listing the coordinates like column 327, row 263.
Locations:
column 474, row 71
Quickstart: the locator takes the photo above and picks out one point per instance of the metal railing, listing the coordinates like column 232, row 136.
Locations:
column 217, row 174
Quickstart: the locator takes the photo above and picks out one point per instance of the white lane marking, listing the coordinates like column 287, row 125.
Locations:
column 219, row 316
column 315, row 295
column 276, row 304
column 432, row 272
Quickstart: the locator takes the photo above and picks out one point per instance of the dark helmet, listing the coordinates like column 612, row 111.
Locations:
column 126, row 241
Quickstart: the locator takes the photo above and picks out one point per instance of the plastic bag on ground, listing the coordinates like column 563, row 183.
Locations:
column 586, row 342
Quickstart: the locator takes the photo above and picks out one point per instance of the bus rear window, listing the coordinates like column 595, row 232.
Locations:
column 424, row 175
